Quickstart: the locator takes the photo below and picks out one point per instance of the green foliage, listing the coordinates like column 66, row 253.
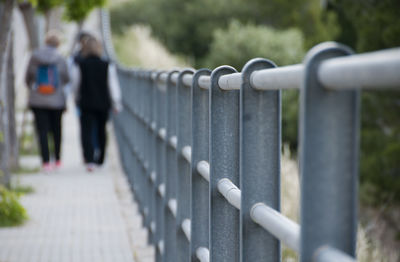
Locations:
column 12, row 213
column 44, row 6
column 184, row 27
column 77, row 10
column 376, row 23
column 240, row 43
column 380, row 147
column 366, row 26
column 187, row 27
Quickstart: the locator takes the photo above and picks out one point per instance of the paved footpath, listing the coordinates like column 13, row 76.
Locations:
column 76, row 216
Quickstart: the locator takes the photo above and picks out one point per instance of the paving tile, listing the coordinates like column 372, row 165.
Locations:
column 76, row 216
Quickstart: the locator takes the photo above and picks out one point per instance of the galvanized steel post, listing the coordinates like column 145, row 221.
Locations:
column 224, row 163
column 184, row 133
column 329, row 126
column 200, row 207
column 260, row 155
column 161, row 167
column 171, row 172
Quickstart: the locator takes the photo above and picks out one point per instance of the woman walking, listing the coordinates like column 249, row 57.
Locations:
column 46, row 78
column 98, row 91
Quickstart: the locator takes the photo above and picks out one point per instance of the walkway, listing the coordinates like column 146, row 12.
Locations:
column 77, row 216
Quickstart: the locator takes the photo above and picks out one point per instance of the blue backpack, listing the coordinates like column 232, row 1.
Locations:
column 47, row 79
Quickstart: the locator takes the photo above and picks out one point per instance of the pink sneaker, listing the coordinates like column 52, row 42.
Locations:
column 90, row 167
column 47, row 167
column 58, row 164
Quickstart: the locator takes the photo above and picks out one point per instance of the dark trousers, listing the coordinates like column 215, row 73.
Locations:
column 48, row 121
column 93, row 135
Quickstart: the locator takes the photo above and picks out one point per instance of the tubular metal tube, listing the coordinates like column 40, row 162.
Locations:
column 160, row 247
column 330, row 254
column 374, row 70
column 187, row 80
column 186, row 228
column 260, row 144
column 230, row 82
column 153, row 227
column 287, row 77
column 153, row 126
column 187, row 153
column 184, row 134
column 173, row 141
column 230, row 192
column 205, row 82
column 200, row 208
column 174, row 77
column 203, row 167
column 280, row 226
column 329, row 155
column 153, row 176
column 162, row 133
column 161, row 190
column 163, row 77
column 171, row 174
column 203, row 254
column 224, row 238
column 154, row 75
column 172, row 204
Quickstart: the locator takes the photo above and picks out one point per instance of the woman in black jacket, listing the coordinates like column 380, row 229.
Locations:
column 98, row 91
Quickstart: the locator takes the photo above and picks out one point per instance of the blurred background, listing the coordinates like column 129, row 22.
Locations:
column 163, row 34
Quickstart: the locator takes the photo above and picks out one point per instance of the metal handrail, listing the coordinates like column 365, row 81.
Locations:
column 158, row 106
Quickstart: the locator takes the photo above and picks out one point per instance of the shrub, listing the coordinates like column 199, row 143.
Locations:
column 240, row 43
column 12, row 213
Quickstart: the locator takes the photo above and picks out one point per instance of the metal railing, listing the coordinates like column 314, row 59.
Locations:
column 202, row 149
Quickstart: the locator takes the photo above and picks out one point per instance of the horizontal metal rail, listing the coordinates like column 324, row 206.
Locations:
column 203, row 167
column 186, row 228
column 374, row 70
column 173, row 205
column 173, row 141
column 230, row 192
column 161, row 190
column 330, row 254
column 162, row 133
column 153, row 177
column 187, row 80
column 187, row 153
column 205, row 82
column 230, row 82
column 280, row 226
column 203, row 254
column 287, row 77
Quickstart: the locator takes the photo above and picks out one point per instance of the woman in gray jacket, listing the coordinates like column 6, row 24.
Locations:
column 46, row 78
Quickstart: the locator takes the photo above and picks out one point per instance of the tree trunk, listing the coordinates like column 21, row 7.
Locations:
column 47, row 17
column 12, row 127
column 31, row 26
column 5, row 34
column 53, row 19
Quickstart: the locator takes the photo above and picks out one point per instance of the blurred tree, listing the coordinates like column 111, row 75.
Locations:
column 187, row 27
column 78, row 10
column 6, row 10
column 367, row 26
column 46, row 7
column 31, row 23
column 245, row 42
